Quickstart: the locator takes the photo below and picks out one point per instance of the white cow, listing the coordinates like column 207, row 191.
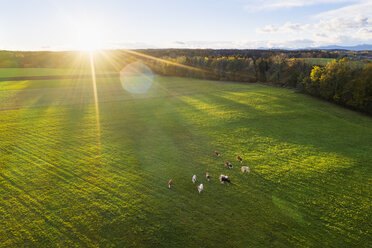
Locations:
column 224, row 179
column 245, row 169
column 193, row 179
column 200, row 187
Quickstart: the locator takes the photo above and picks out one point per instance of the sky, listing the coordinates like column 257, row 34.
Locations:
column 131, row 24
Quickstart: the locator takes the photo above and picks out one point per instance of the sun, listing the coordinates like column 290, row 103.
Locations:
column 88, row 37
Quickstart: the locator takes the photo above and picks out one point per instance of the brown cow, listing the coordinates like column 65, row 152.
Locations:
column 207, row 176
column 239, row 159
column 217, row 153
column 228, row 164
column 170, row 183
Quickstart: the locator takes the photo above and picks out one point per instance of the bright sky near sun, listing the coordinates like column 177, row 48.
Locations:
column 93, row 24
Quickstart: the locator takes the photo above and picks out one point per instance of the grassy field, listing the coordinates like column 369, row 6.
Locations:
column 30, row 72
column 66, row 181
column 325, row 61
column 317, row 61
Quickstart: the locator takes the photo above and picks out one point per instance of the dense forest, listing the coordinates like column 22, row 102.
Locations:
column 341, row 77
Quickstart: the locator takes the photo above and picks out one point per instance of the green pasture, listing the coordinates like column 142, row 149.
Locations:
column 72, row 177
column 325, row 61
column 30, row 72
column 317, row 61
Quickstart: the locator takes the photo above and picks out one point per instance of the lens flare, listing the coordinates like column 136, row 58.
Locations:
column 94, row 82
column 136, row 78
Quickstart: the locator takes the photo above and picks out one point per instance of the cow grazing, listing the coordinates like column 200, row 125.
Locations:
column 240, row 159
column 224, row 179
column 217, row 153
column 170, row 183
column 245, row 169
column 207, row 176
column 200, row 187
column 193, row 179
column 229, row 165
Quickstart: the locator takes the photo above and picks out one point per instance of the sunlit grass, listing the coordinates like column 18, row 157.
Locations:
column 310, row 162
column 29, row 72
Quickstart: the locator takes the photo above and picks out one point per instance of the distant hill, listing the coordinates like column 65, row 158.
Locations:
column 362, row 47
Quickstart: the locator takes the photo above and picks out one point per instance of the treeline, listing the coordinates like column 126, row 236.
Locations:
column 42, row 59
column 276, row 69
column 342, row 83
column 45, row 59
column 241, row 53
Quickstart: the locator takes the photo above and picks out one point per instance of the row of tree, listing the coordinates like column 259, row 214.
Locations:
column 342, row 83
column 64, row 58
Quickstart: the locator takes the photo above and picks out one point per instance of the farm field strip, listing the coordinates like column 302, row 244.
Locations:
column 85, row 97
column 47, row 72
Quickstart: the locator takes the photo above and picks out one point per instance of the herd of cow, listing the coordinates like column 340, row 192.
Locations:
column 222, row 178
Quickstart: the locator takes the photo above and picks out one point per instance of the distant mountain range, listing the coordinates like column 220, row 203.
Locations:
column 362, row 47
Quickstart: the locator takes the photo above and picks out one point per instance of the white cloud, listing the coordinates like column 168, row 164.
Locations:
column 294, row 27
column 321, row 35
column 347, row 25
column 354, row 16
column 286, row 28
column 365, row 33
column 252, row 44
column 268, row 29
column 350, row 25
column 211, row 44
column 261, row 5
column 359, row 8
column 292, row 44
column 343, row 23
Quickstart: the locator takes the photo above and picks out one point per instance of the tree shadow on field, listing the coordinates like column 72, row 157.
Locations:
column 293, row 126
column 74, row 155
column 292, row 123
column 53, row 134
column 31, row 106
column 23, row 98
column 160, row 140
column 176, row 151
column 21, row 120
column 172, row 138
column 37, row 212
column 218, row 102
column 163, row 139
column 293, row 130
column 45, row 177
column 212, row 123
